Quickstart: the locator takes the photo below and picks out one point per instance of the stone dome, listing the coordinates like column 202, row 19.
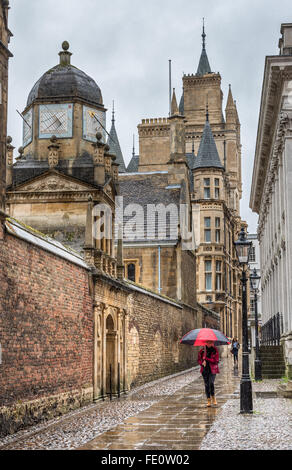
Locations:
column 64, row 81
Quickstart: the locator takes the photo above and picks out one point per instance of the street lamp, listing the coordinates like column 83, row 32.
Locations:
column 243, row 247
column 254, row 283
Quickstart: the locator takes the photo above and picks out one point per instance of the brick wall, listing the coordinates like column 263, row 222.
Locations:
column 46, row 330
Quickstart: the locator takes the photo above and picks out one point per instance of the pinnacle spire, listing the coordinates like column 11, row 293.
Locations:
column 204, row 66
column 230, row 101
column 114, row 145
column 133, row 152
column 174, row 107
column 230, row 109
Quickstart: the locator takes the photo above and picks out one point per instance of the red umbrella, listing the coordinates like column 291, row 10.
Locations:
column 200, row 336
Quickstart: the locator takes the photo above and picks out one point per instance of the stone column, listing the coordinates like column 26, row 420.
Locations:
column 9, row 161
column 103, row 351
column 89, row 242
column 118, row 347
column 125, row 352
column 99, row 160
column 288, row 188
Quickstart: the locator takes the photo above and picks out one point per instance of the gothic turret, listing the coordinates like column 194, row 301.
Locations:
column 208, row 154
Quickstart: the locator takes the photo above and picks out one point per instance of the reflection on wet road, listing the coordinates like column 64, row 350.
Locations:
column 178, row 422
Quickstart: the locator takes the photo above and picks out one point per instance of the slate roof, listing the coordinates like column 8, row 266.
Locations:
column 81, row 168
column 149, row 190
column 207, row 154
column 182, row 104
column 204, row 66
column 115, row 148
column 65, row 81
column 133, row 165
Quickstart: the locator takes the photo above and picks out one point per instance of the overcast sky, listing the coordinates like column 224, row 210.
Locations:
column 125, row 46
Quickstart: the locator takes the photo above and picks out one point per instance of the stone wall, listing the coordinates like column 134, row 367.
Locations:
column 150, row 325
column 156, row 326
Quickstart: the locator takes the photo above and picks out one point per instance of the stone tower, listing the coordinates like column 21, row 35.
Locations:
column 5, row 35
column 214, row 150
column 211, row 168
column 204, row 89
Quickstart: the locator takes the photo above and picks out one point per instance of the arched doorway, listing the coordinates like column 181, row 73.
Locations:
column 110, row 356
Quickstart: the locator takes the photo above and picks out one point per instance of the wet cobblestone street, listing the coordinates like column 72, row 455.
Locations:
column 168, row 414
column 178, row 422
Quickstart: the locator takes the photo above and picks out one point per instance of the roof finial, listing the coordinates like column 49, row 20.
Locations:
column 133, row 153
column 65, row 55
column 203, row 34
column 113, row 112
column 204, row 66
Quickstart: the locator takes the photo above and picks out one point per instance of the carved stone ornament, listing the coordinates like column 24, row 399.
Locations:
column 52, row 183
column 53, row 157
column 98, row 155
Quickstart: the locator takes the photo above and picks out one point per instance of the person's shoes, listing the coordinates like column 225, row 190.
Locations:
column 209, row 402
column 214, row 402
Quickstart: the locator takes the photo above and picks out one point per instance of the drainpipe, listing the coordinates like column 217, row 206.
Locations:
column 159, row 269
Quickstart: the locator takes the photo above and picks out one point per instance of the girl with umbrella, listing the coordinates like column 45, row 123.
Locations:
column 208, row 357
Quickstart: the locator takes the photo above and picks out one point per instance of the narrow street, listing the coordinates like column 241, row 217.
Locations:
column 178, row 422
column 168, row 414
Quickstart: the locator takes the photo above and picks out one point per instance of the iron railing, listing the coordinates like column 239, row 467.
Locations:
column 271, row 331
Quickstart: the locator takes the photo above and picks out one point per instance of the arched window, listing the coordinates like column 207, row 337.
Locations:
column 131, row 272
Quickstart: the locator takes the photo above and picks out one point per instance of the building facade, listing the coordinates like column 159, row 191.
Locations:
column 212, row 151
column 271, row 195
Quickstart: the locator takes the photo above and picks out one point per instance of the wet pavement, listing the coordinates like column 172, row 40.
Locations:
column 179, row 422
column 167, row 414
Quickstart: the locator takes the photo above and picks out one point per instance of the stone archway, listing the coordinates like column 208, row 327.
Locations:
column 111, row 359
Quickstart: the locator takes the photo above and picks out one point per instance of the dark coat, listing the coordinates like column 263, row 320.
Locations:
column 213, row 360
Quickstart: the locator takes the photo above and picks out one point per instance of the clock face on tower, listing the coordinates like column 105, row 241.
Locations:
column 55, row 119
column 27, row 128
column 92, row 120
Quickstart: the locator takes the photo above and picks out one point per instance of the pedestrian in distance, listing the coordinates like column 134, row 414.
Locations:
column 234, row 350
column 208, row 358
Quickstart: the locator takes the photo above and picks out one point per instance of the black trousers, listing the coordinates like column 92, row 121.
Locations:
column 209, row 380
